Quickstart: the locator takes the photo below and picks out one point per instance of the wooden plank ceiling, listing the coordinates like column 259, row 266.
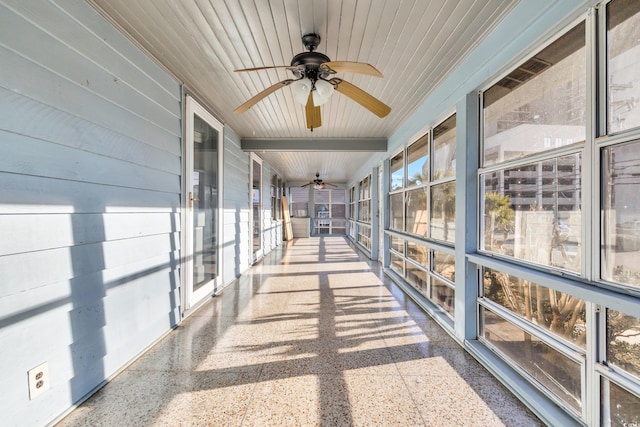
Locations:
column 414, row 43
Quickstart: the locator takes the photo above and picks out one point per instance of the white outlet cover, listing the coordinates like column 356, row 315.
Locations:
column 38, row 380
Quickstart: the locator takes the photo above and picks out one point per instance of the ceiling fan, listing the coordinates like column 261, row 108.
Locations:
column 317, row 183
column 314, row 83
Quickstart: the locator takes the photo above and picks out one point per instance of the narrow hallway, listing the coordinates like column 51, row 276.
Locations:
column 315, row 334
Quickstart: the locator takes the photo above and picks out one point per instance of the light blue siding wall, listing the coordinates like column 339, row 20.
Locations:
column 235, row 253
column 90, row 163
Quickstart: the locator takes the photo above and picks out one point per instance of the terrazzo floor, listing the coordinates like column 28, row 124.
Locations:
column 313, row 335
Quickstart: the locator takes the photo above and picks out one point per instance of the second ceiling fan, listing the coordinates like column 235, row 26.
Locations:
column 314, row 83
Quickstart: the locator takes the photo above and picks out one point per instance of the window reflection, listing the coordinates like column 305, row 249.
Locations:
column 443, row 295
column 444, row 149
column 560, row 313
column 621, row 246
column 397, row 264
column 623, row 341
column 559, row 374
column 623, row 409
column 418, row 253
column 540, row 105
column 396, row 205
column 416, row 211
column 533, row 212
column 397, row 171
column 623, row 65
column 444, row 265
column 418, row 162
column 443, row 211
column 416, row 277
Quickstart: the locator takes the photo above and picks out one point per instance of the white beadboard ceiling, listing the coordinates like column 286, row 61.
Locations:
column 414, row 43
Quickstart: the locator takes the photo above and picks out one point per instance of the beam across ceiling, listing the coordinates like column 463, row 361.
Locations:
column 319, row 144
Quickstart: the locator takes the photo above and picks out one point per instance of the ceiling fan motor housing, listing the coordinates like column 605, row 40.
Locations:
column 310, row 60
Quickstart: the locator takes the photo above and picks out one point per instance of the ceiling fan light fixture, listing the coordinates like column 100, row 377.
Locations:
column 323, row 92
column 300, row 89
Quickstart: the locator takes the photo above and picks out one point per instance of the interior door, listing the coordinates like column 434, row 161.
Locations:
column 202, row 229
column 256, row 207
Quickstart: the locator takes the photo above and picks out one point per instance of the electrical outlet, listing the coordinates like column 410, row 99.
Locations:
column 38, row 380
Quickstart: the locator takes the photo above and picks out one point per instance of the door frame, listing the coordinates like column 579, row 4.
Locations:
column 190, row 298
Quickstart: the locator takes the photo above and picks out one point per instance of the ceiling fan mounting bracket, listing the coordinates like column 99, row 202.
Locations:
column 311, row 41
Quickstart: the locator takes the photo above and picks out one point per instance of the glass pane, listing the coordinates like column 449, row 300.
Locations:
column 364, row 236
column 443, row 295
column 397, row 244
column 397, row 264
column 416, row 211
column 418, row 162
column 444, row 149
column 445, row 265
column 364, row 211
column 338, row 226
column 623, row 409
column 556, row 372
column 396, row 205
column 621, row 221
column 623, row 60
column 338, row 211
column 322, row 210
column 418, row 253
column 540, row 105
column 533, row 212
column 559, row 313
column 623, row 341
column 299, row 209
column 205, row 202
column 257, row 202
column 416, row 277
column 397, row 172
column 443, row 212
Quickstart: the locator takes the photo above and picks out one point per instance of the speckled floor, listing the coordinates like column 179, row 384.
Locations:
column 313, row 335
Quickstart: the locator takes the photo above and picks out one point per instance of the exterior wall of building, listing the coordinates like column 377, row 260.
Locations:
column 90, row 142
column 90, row 197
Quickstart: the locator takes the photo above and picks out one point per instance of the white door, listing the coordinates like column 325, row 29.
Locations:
column 256, row 207
column 202, row 203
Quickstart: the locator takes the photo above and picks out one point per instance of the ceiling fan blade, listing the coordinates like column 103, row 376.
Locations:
column 306, row 185
column 328, row 183
column 361, row 97
column 313, row 114
column 351, row 67
column 257, row 98
column 289, row 67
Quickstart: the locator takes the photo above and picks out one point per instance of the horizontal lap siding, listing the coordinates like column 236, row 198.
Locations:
column 90, row 164
column 236, row 208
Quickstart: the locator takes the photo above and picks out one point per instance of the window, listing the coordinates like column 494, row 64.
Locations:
column 532, row 211
column 330, row 211
column 364, row 213
column 422, row 211
column 397, row 172
column 299, row 204
column 623, row 45
column 542, row 100
column 276, row 198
